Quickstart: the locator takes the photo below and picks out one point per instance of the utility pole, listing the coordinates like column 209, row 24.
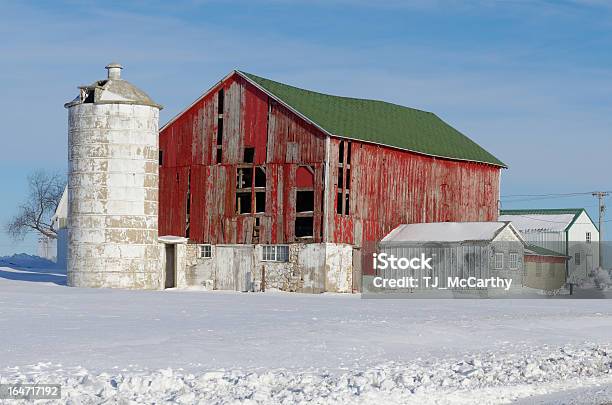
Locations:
column 602, row 210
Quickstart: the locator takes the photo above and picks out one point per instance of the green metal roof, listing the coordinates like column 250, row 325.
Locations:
column 543, row 211
column 378, row 122
column 550, row 211
column 540, row 251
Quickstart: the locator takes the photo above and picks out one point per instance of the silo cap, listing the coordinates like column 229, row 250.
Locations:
column 113, row 90
column 114, row 70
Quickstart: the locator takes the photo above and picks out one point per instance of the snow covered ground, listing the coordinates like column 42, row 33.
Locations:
column 116, row 346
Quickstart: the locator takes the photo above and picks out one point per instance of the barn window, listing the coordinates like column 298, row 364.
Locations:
column 304, row 201
column 260, row 176
column 344, row 178
column 304, row 227
column 513, row 261
column 249, row 155
column 244, row 177
column 250, row 186
column 220, row 101
column 243, row 203
column 275, row 253
column 588, row 237
column 204, row 251
column 260, row 202
column 161, row 157
column 188, row 206
column 499, row 261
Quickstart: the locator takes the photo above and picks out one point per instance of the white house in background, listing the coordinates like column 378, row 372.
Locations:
column 569, row 231
column 57, row 249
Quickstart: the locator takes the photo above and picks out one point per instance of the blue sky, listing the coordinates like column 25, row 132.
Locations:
column 531, row 81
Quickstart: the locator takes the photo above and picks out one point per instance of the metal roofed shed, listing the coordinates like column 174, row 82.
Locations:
column 458, row 250
column 544, row 268
column 566, row 231
column 449, row 232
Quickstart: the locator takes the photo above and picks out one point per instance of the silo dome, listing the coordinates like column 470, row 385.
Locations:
column 113, row 186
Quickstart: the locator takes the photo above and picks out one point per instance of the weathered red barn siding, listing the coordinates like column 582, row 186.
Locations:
column 282, row 144
column 389, row 187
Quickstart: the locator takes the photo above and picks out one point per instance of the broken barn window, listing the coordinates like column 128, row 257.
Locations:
column 344, row 177
column 304, row 201
column 161, row 157
column 244, row 177
column 244, row 188
column 188, row 205
column 304, row 227
column 204, row 251
column 348, row 154
column 346, row 204
column 260, row 202
column 243, row 203
column 249, row 155
column 220, row 101
column 275, row 253
column 219, row 131
column 347, row 183
column 260, row 176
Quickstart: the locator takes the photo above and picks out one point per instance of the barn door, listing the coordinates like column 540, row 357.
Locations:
column 243, row 268
column 234, row 268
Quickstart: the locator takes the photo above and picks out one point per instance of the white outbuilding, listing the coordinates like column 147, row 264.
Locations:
column 570, row 232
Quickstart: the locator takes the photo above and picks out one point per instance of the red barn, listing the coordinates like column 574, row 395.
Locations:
column 265, row 165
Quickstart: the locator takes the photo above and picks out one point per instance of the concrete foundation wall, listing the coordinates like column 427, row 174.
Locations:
column 312, row 268
column 112, row 197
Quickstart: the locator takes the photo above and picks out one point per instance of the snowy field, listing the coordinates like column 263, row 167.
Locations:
column 113, row 346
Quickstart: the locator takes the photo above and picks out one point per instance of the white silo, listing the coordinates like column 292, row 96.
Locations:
column 113, row 186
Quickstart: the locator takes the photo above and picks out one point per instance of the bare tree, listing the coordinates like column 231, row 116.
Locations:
column 34, row 214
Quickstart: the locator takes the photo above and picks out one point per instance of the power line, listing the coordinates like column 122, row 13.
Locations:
column 553, row 194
